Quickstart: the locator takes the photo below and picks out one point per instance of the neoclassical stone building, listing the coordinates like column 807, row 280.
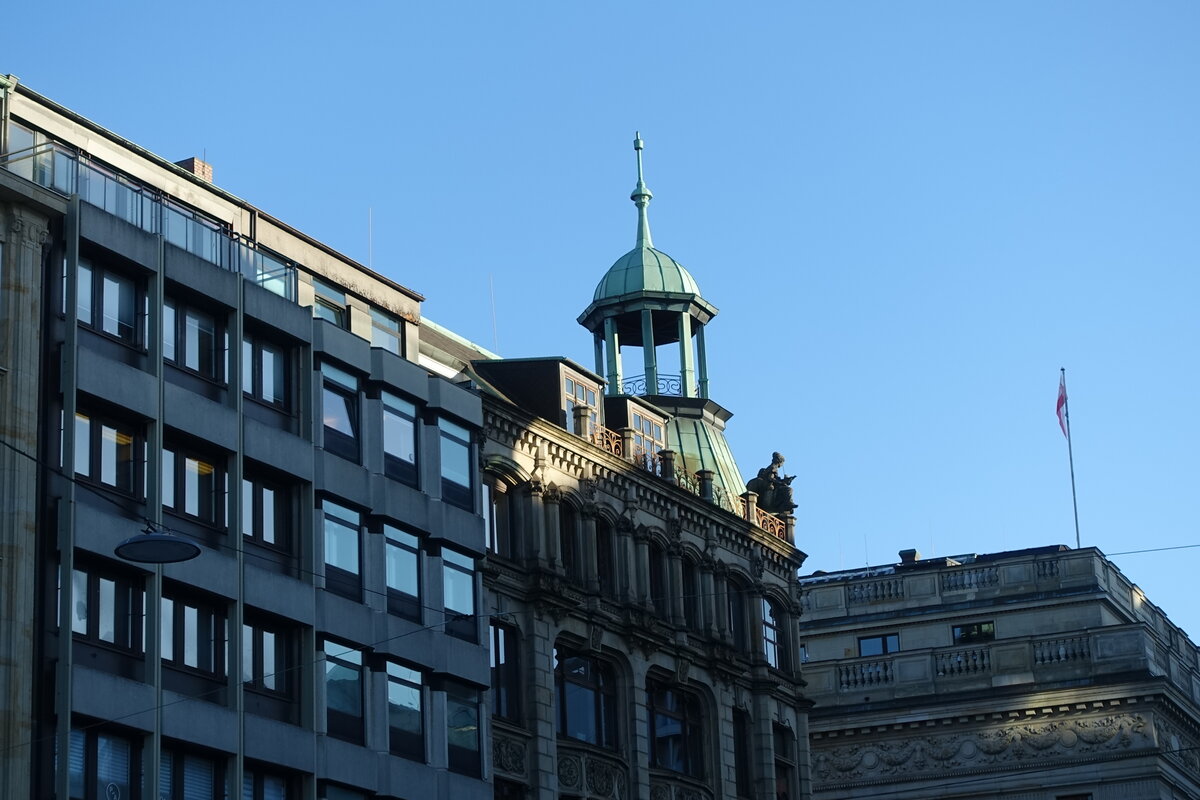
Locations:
column 1039, row 674
column 643, row 609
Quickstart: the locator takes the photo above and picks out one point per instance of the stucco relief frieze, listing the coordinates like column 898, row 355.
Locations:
column 1177, row 746
column 920, row 755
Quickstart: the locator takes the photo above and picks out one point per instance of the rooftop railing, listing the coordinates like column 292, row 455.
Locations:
column 664, row 384
column 63, row 170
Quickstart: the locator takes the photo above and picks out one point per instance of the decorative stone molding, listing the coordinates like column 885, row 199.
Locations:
column 1177, row 746
column 29, row 231
column 669, row 790
column 983, row 748
column 508, row 755
column 594, row 775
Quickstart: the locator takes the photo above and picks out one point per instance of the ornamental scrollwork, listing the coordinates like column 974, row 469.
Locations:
column 508, row 755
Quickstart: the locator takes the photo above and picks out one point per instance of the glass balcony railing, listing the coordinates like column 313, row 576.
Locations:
column 61, row 169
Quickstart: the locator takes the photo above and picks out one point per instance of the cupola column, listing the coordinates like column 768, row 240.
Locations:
column 686, row 368
column 701, row 362
column 612, row 344
column 648, row 354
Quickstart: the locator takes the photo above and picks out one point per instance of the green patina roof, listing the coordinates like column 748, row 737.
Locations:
column 644, row 269
column 700, row 444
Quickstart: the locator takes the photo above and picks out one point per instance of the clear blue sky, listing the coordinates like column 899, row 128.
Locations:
column 909, row 214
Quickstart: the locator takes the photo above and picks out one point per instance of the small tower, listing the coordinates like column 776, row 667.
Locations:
column 647, row 299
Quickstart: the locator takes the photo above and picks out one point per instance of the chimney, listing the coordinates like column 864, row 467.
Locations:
column 201, row 169
column 909, row 556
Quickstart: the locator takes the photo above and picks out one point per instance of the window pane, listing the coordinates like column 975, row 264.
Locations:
column 200, row 489
column 83, row 290
column 460, row 591
column 456, row 458
column 268, row 515
column 200, row 343
column 118, row 307
column 338, row 412
column 401, row 569
column 168, row 629
column 79, row 602
column 248, row 499
column 191, row 636
column 83, row 445
column 168, row 478
column 399, row 431
column 107, row 612
column 341, row 545
column 272, row 372
column 247, row 653
column 342, row 690
column 113, row 757
column 248, row 366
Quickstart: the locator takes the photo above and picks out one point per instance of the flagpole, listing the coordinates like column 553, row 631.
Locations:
column 1070, row 453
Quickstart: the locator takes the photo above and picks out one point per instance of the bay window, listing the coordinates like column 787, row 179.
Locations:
column 342, row 550
column 403, row 556
column 456, row 464
column 399, row 439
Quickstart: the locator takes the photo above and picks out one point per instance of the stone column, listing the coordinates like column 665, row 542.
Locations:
column 22, row 236
column 538, row 655
column 552, row 525
column 642, row 560
column 624, row 565
column 588, row 557
column 675, row 585
column 721, row 600
column 530, row 525
column 707, row 604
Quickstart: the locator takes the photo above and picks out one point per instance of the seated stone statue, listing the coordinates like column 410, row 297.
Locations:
column 774, row 492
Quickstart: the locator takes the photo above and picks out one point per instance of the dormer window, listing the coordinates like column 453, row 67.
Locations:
column 579, row 393
column 648, row 436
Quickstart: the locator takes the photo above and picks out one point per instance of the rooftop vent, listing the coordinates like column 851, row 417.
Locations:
column 909, row 556
column 201, row 169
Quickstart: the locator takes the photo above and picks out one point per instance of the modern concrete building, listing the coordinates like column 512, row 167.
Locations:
column 1037, row 674
column 175, row 359
column 642, row 607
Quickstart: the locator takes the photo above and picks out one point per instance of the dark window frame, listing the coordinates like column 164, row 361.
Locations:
column 973, row 632
column 338, row 579
column 668, row 707
column 253, row 381
column 888, row 643
column 339, row 385
column 467, row 720
column 254, row 508
column 595, row 679
column 275, row 677
column 87, row 739
column 127, row 628
column 339, row 723
column 209, row 615
column 395, row 465
column 453, row 435
column 217, row 502
column 505, row 657
column 461, row 623
column 93, row 455
column 329, row 303
column 402, row 603
column 403, row 741
column 387, row 331
column 173, row 770
column 177, row 333
column 97, row 303
column 774, row 628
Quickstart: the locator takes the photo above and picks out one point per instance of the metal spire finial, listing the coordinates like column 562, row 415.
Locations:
column 641, row 196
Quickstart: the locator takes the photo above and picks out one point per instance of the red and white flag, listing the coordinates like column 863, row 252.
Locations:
column 1061, row 408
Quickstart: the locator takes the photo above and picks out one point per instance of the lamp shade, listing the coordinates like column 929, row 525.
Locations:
column 151, row 547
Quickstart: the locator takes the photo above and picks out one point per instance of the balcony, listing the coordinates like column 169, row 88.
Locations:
column 68, row 172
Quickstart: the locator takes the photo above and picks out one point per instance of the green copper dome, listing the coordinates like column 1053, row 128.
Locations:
column 644, row 269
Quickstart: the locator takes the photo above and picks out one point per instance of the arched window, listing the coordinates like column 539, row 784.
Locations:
column 568, row 528
column 497, row 505
column 604, row 558
column 773, row 644
column 676, row 730
column 586, row 698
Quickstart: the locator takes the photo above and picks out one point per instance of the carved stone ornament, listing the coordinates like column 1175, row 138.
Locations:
column 993, row 746
column 508, row 755
column 595, row 636
column 553, row 493
column 674, row 529
column 27, row 230
column 683, row 666
column 757, row 566
column 570, row 773
column 660, row 791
